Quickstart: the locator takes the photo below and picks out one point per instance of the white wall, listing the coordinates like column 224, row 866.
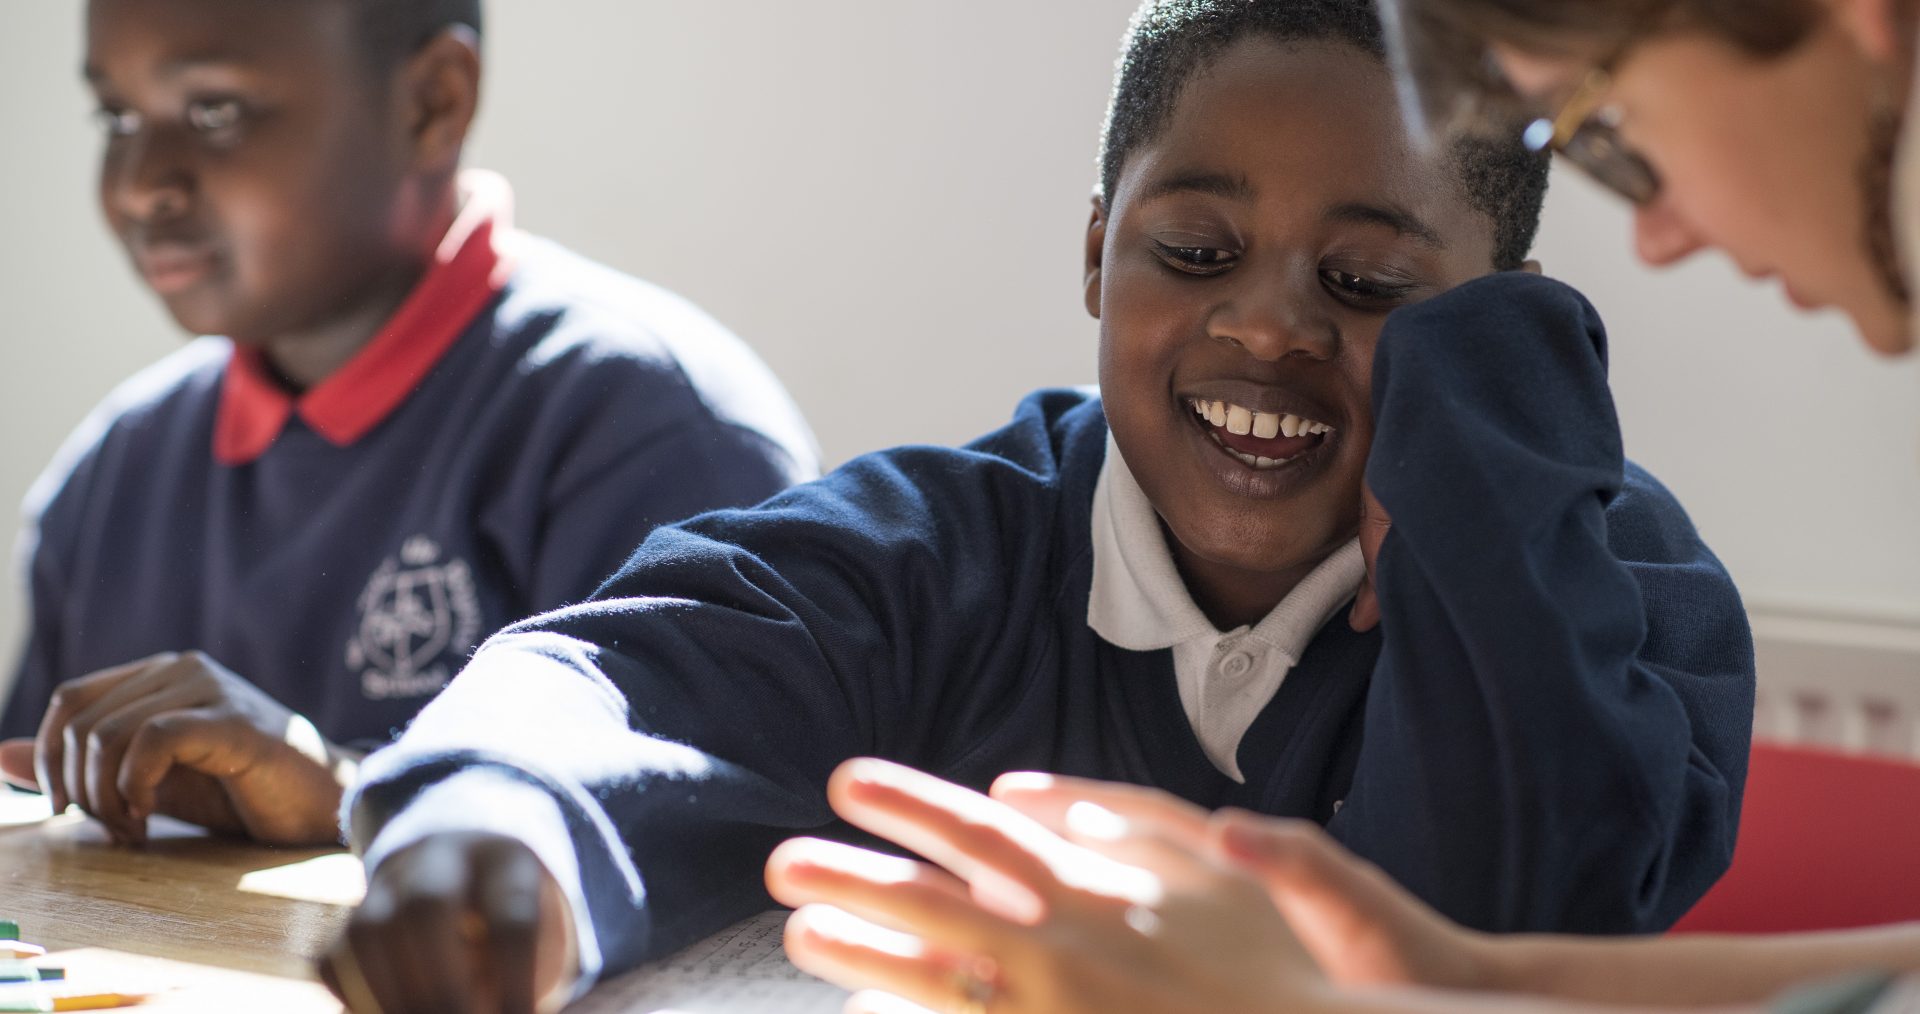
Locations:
column 887, row 199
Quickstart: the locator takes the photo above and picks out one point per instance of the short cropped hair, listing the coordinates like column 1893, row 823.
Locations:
column 1169, row 41
column 392, row 30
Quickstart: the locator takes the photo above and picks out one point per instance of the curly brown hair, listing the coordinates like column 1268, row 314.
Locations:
column 1440, row 46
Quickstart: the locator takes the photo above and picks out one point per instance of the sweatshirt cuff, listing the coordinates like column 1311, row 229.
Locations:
column 499, row 800
column 1494, row 423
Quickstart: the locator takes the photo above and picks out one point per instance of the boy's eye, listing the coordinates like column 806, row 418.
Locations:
column 1197, row 259
column 117, row 122
column 214, row 116
column 1361, row 289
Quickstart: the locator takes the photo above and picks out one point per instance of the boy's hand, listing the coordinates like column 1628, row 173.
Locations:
column 179, row 734
column 1374, row 525
column 468, row 922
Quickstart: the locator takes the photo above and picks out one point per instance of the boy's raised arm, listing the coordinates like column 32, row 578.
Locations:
column 1558, row 726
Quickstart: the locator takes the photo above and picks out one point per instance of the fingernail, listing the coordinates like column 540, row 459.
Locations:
column 1022, row 781
column 1091, row 820
column 866, row 771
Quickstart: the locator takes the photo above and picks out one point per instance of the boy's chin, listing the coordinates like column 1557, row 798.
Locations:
column 206, row 317
column 1273, row 551
column 197, row 315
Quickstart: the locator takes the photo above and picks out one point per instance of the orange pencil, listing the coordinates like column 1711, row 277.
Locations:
column 70, row 1001
column 98, row 1001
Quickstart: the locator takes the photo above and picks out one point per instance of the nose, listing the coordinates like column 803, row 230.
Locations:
column 1271, row 319
column 148, row 181
column 1661, row 236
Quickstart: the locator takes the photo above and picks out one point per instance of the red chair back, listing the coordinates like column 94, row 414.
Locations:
column 1827, row 841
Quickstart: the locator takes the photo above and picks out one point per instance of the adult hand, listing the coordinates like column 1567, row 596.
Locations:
column 1361, row 927
column 1015, row 918
column 1374, row 526
column 181, row 735
column 458, row 922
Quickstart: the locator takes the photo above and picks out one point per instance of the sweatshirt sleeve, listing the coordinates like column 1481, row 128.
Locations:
column 27, row 696
column 589, row 527
column 1557, row 729
column 53, row 511
column 685, row 719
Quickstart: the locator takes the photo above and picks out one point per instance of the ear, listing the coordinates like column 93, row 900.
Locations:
column 440, row 85
column 1532, row 267
column 1877, row 27
column 1096, row 253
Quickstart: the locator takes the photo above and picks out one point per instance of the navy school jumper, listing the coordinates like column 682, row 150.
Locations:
column 1551, row 735
column 574, row 409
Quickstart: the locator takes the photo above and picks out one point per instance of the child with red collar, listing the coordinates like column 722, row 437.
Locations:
column 261, row 556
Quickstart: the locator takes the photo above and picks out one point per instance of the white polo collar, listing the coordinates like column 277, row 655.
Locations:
column 1140, row 603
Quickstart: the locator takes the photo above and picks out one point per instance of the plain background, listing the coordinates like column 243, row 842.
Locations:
column 887, row 199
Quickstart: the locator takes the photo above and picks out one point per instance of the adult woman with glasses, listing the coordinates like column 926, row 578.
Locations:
column 1768, row 129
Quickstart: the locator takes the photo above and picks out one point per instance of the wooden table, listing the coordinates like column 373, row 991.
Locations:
column 212, row 925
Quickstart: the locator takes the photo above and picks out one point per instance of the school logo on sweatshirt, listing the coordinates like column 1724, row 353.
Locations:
column 418, row 619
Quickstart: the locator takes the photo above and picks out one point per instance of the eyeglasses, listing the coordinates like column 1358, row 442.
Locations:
column 1587, row 132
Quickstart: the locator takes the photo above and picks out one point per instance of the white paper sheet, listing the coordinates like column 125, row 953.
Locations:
column 21, row 808
column 740, row 970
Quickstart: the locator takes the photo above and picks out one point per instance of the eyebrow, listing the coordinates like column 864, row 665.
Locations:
column 1232, row 188
column 172, row 67
column 1400, row 220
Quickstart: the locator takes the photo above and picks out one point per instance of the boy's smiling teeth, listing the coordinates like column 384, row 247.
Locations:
column 1265, row 425
column 1240, row 421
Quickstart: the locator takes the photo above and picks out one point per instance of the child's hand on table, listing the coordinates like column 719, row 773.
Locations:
column 463, row 921
column 1068, row 909
column 181, row 735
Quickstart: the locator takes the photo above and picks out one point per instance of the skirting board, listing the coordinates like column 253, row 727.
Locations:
column 1844, row 682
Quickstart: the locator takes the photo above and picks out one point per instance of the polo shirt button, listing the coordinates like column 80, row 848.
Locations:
column 1237, row 665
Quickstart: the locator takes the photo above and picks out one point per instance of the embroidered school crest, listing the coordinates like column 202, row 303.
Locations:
column 418, row 618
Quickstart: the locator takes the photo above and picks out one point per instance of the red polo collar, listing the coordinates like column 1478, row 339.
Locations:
column 469, row 268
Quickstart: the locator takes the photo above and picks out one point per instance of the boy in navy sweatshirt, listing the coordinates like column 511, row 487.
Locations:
column 261, row 556
column 1150, row 585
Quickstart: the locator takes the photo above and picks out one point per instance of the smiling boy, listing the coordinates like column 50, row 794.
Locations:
column 1151, row 586
column 262, row 555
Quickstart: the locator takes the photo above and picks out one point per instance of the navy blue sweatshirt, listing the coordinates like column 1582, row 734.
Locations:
column 1551, row 735
column 345, row 552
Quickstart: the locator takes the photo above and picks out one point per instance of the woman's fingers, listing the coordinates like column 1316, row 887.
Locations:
column 888, row 891
column 1046, row 798
column 1361, row 927
column 1009, row 860
column 855, row 954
